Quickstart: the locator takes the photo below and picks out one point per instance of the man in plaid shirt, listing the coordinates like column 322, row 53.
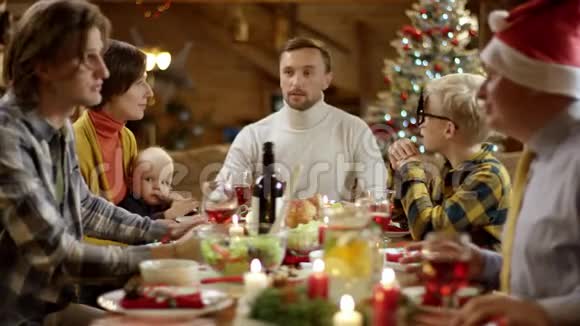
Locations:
column 473, row 196
column 54, row 64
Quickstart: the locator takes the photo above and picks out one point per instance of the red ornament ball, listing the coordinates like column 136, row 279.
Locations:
column 455, row 42
column 437, row 67
column 404, row 96
column 406, row 47
column 412, row 31
column 387, row 80
column 423, row 11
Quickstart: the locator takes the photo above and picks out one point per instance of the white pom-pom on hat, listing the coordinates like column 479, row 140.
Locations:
column 498, row 20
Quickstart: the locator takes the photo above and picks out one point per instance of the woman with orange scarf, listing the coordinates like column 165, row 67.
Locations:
column 106, row 147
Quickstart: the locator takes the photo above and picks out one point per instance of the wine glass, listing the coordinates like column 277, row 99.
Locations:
column 219, row 201
column 446, row 266
column 380, row 211
column 242, row 183
column 380, row 205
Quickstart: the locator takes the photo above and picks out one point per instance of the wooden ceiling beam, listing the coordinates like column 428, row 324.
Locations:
column 298, row 25
column 263, row 61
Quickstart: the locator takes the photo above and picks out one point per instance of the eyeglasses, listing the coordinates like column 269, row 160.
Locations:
column 421, row 114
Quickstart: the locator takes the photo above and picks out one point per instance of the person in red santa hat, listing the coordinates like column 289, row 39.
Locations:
column 532, row 93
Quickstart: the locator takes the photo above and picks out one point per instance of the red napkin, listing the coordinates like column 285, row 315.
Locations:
column 183, row 301
column 290, row 259
column 224, row 279
column 394, row 257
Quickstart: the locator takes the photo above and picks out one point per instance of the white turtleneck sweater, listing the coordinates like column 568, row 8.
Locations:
column 333, row 147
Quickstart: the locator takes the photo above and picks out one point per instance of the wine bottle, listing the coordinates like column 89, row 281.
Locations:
column 267, row 194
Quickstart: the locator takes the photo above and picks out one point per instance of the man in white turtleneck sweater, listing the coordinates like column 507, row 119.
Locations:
column 334, row 148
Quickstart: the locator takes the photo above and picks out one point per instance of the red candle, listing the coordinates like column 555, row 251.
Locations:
column 318, row 281
column 385, row 300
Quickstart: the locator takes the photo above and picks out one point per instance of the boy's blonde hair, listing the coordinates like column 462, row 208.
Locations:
column 151, row 156
column 458, row 94
column 151, row 153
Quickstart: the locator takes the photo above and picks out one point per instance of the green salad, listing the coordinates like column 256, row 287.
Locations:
column 304, row 237
column 233, row 256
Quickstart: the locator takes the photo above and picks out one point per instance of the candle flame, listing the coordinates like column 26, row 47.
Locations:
column 255, row 266
column 346, row 303
column 388, row 276
column 325, row 220
column 235, row 219
column 318, row 266
column 325, row 199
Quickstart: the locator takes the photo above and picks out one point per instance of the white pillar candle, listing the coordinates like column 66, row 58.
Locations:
column 347, row 316
column 255, row 281
column 236, row 230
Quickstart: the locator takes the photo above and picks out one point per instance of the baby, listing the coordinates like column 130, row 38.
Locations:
column 150, row 193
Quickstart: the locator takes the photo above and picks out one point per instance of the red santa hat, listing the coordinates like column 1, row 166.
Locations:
column 537, row 45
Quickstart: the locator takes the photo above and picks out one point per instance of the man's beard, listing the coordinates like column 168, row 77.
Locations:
column 305, row 105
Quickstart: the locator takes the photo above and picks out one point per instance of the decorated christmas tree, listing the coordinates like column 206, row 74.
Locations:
column 440, row 41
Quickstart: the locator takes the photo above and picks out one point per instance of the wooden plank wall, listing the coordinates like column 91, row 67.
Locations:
column 229, row 88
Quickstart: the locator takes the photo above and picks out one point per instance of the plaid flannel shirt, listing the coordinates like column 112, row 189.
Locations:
column 42, row 254
column 472, row 198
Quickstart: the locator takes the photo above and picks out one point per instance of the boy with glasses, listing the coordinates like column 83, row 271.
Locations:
column 474, row 195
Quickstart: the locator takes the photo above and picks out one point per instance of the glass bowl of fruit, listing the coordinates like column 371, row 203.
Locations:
column 232, row 255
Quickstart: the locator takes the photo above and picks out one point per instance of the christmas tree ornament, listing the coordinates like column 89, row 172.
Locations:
column 404, row 96
column 154, row 10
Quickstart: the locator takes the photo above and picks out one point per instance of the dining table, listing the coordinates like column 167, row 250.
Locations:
column 227, row 316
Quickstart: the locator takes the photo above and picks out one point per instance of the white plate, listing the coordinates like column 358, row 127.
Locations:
column 391, row 264
column 301, row 275
column 316, row 254
column 392, row 234
column 111, row 301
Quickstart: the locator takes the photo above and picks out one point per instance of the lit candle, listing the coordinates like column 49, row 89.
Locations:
column 385, row 299
column 255, row 281
column 236, row 230
column 318, row 281
column 322, row 231
column 347, row 316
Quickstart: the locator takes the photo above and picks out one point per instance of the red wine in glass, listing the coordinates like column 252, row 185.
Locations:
column 381, row 215
column 446, row 268
column 219, row 215
column 446, row 277
column 383, row 220
column 244, row 194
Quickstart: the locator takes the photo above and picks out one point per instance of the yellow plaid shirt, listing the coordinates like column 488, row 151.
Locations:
column 472, row 198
